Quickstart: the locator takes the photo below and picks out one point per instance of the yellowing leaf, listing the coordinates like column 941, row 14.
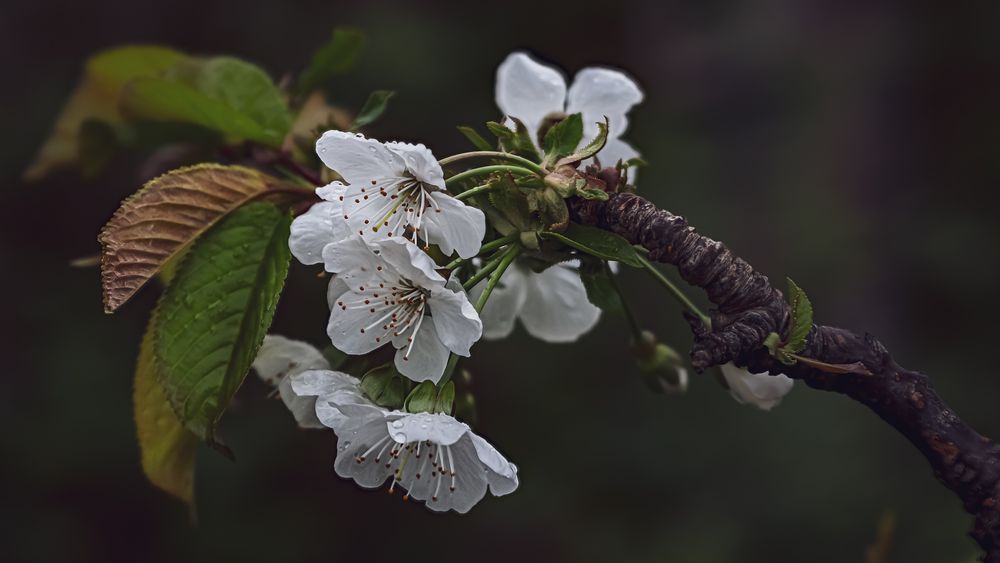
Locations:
column 96, row 98
column 162, row 218
column 167, row 449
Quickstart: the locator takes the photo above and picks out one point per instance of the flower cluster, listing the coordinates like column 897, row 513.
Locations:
column 373, row 230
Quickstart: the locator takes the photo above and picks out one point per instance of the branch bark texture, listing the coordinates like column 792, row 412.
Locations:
column 749, row 308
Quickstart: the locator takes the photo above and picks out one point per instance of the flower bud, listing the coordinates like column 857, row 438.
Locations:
column 662, row 368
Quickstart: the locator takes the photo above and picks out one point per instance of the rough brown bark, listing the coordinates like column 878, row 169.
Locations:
column 749, row 308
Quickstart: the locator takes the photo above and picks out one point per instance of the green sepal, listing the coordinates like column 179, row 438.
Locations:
column 385, row 387
column 517, row 141
column 422, row 398
column 601, row 290
column 562, row 139
column 591, row 148
column 475, row 138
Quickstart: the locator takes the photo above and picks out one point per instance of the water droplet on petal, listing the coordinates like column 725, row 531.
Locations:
column 401, row 438
column 372, row 148
column 397, row 424
column 424, row 426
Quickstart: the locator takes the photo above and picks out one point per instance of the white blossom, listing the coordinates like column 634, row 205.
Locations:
column 389, row 292
column 432, row 456
column 531, row 91
column 392, row 190
column 552, row 305
column 277, row 361
column 761, row 390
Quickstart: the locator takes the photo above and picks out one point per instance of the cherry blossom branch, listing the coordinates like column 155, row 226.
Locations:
column 834, row 359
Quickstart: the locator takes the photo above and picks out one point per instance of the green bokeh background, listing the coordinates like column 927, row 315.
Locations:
column 850, row 145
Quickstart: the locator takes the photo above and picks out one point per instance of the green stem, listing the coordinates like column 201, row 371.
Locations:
column 674, row 291
column 473, row 172
column 476, row 190
column 494, row 154
column 482, row 273
column 503, row 263
column 488, row 247
column 629, row 315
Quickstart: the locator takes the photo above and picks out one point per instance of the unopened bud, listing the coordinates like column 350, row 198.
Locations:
column 662, row 368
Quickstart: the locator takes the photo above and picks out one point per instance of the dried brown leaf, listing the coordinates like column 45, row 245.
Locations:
column 167, row 214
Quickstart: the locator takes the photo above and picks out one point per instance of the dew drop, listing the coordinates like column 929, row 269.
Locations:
column 372, row 148
column 424, row 426
column 397, row 424
column 400, row 437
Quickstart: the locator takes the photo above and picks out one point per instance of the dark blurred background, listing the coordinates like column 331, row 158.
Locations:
column 850, row 145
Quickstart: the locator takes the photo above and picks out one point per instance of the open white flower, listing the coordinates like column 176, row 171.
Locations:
column 552, row 305
column 393, row 190
column 761, row 390
column 531, row 91
column 392, row 294
column 278, row 361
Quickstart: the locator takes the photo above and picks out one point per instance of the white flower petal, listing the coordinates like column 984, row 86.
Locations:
column 357, row 159
column 453, row 225
column 600, row 92
column 354, row 443
column 334, row 290
column 505, row 302
column 426, row 359
column 470, row 480
column 334, row 191
column 502, row 475
column 346, row 408
column 302, row 408
column 409, row 261
column 420, row 162
column 556, row 308
column 762, row 390
column 279, row 357
column 321, row 225
column 319, row 382
column 349, row 259
column 355, row 330
column 528, row 90
column 456, row 320
column 438, row 428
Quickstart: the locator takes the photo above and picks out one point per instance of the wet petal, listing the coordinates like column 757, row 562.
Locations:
column 528, row 90
column 313, row 230
column 409, row 261
column 279, row 357
column 426, row 359
column 761, row 390
column 353, row 444
column 453, row 225
column 556, row 308
column 504, row 304
column 456, row 320
column 599, row 92
column 438, row 428
column 420, row 162
column 354, row 329
column 502, row 475
column 357, row 159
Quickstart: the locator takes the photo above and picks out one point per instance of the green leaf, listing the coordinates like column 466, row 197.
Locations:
column 96, row 98
column 167, row 449
column 802, row 319
column 517, row 141
column 601, row 290
column 223, row 94
column 422, row 399
column 510, row 203
column 212, row 318
column 374, row 107
column 154, row 226
column 591, row 148
column 475, row 138
column 446, row 398
column 385, row 387
column 336, row 57
column 597, row 242
column 562, row 138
